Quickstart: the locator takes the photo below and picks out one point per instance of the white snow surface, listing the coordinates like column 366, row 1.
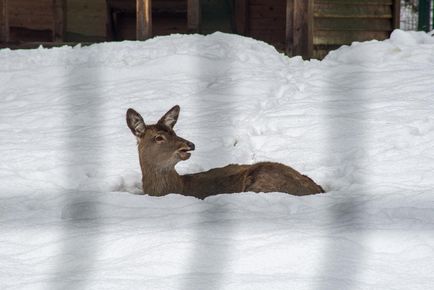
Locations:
column 360, row 123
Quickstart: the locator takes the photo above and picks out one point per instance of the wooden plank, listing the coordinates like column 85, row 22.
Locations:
column 347, row 37
column 357, row 2
column 33, row 12
column 267, row 12
column 259, row 23
column 309, row 28
column 241, row 16
column 126, row 6
column 352, row 11
column 44, row 22
column 271, row 30
column 275, row 9
column 58, row 23
column 269, row 5
column 193, row 15
column 277, row 36
column 143, row 19
column 302, row 28
column 86, row 18
column 4, row 21
column 267, row 2
column 25, row 34
column 25, row 5
column 87, row 24
column 355, row 24
column 289, row 27
column 29, row 3
column 340, row 22
column 320, row 51
column 34, row 15
column 109, row 25
column 166, row 24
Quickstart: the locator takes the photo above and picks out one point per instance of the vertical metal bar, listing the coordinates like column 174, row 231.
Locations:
column 144, row 19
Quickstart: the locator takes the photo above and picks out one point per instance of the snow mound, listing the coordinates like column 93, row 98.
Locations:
column 411, row 46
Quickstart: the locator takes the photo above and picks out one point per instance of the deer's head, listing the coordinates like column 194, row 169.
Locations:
column 158, row 144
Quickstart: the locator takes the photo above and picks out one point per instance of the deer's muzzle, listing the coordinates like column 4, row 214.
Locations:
column 183, row 152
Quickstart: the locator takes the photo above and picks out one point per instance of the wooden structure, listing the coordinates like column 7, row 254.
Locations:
column 27, row 20
column 309, row 28
column 332, row 23
column 151, row 18
column 4, row 21
column 262, row 19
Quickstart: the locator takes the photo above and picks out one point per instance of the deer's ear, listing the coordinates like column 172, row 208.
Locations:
column 169, row 119
column 135, row 123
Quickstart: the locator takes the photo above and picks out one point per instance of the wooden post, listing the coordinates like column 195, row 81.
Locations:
column 396, row 14
column 144, row 19
column 109, row 26
column 241, row 16
column 58, row 21
column 309, row 23
column 289, row 28
column 193, row 15
column 4, row 21
column 302, row 28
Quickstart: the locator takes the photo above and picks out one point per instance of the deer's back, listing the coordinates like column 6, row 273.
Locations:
column 228, row 179
column 271, row 176
column 259, row 177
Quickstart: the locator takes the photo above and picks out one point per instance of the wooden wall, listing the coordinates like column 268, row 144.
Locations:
column 161, row 17
column 312, row 28
column 31, row 20
column 309, row 28
column 4, row 22
column 85, row 20
column 339, row 22
column 266, row 20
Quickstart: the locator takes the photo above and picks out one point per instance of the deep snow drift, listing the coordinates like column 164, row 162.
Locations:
column 360, row 123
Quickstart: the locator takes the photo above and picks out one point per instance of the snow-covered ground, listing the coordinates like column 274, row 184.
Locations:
column 360, row 123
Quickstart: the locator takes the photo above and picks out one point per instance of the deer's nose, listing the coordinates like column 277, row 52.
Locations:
column 191, row 145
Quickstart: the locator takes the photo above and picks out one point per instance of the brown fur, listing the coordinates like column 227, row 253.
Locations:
column 160, row 149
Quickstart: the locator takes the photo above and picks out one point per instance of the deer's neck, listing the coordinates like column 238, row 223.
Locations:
column 157, row 181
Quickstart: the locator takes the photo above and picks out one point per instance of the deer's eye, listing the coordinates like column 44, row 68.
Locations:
column 159, row 139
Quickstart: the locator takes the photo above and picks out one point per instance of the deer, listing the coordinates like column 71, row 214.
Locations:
column 160, row 149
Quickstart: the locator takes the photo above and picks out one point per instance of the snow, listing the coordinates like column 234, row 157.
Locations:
column 359, row 123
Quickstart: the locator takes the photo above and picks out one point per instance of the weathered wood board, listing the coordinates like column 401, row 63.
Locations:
column 85, row 19
column 340, row 22
column 4, row 21
column 266, row 21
